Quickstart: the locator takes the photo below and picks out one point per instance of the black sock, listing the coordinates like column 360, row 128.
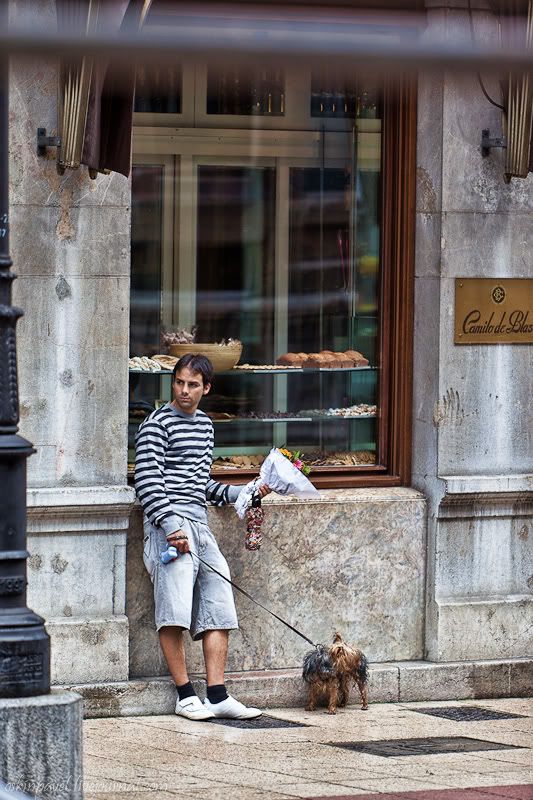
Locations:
column 217, row 693
column 186, row 690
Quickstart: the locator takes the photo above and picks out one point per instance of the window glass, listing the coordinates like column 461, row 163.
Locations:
column 271, row 238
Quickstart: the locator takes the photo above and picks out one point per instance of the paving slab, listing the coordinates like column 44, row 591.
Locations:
column 165, row 756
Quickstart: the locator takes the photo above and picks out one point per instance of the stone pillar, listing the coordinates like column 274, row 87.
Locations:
column 472, row 414
column 71, row 242
column 41, row 751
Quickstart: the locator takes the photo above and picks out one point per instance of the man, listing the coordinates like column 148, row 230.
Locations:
column 172, row 480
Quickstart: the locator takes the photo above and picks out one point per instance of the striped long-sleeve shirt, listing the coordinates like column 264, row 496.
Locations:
column 172, row 468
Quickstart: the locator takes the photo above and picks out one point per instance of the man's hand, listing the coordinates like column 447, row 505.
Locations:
column 179, row 540
column 264, row 490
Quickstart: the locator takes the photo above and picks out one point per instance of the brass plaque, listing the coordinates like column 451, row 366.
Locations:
column 493, row 311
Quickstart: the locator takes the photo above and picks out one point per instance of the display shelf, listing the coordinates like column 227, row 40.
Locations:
column 268, row 419
column 313, row 418
column 258, row 371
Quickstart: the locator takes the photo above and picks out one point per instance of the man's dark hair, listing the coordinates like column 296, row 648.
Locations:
column 196, row 363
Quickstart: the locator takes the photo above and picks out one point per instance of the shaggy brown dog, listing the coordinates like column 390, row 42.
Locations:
column 330, row 671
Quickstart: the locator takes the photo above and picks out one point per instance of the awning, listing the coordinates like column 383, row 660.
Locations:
column 96, row 96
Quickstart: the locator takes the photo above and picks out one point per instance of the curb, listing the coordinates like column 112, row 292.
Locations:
column 407, row 681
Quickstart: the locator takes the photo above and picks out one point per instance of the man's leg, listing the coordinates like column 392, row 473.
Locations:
column 213, row 617
column 171, row 641
column 215, row 647
column 188, row 704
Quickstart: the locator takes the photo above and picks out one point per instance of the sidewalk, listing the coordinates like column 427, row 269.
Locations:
column 167, row 757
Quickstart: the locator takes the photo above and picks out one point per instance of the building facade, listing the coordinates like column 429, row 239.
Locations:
column 419, row 546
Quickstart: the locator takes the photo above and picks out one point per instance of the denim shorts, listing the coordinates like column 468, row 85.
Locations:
column 188, row 594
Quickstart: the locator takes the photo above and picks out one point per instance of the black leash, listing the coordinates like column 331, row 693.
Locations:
column 249, row 596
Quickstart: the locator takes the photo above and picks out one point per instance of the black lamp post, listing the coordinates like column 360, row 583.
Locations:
column 24, row 643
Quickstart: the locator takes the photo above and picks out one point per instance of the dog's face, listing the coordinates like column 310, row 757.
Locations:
column 344, row 657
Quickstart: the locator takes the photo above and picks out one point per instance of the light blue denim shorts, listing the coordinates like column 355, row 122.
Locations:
column 188, row 594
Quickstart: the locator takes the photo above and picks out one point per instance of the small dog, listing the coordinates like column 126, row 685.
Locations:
column 329, row 672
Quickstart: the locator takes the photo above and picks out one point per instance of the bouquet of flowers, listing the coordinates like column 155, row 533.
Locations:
column 296, row 458
column 284, row 472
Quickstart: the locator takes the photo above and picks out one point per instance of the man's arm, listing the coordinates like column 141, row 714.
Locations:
column 151, row 445
column 220, row 494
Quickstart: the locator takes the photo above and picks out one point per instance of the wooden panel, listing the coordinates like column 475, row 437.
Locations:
column 399, row 173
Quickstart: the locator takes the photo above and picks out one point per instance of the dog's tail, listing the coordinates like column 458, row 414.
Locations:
column 362, row 669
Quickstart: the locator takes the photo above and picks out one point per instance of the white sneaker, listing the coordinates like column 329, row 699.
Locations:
column 193, row 708
column 231, row 709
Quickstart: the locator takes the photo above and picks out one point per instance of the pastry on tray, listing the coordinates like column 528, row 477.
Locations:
column 325, row 359
column 358, row 358
column 167, row 362
column 319, row 361
column 292, row 359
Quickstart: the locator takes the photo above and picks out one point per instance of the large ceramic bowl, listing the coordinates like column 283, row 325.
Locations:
column 222, row 356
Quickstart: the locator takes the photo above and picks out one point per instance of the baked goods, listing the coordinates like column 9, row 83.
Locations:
column 358, row 410
column 292, row 359
column 325, row 359
column 144, row 364
column 319, row 361
column 343, row 360
column 358, row 358
column 265, row 366
column 239, row 462
column 167, row 362
column 317, row 458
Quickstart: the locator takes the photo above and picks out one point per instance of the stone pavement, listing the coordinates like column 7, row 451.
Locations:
column 166, row 757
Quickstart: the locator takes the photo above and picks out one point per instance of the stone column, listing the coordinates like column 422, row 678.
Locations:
column 472, row 404
column 71, row 236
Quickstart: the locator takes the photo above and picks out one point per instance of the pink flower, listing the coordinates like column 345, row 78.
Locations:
column 298, row 463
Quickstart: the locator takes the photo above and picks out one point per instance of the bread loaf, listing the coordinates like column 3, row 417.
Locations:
column 343, row 360
column 319, row 361
column 358, row 358
column 290, row 359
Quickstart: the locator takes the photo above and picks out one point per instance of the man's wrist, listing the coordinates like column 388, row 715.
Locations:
column 170, row 524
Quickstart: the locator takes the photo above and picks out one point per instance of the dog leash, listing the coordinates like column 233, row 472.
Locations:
column 249, row 596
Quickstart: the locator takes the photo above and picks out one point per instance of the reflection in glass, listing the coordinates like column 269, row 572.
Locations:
column 146, row 254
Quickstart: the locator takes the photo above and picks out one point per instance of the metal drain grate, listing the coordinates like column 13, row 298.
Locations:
column 467, row 713
column 389, row 748
column 259, row 722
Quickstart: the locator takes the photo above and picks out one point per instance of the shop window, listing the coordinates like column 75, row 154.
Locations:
column 295, row 241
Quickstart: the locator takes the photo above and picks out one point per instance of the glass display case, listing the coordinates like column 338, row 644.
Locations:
column 272, row 237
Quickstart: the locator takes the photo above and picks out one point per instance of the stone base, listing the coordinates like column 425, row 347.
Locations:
column 41, row 752
column 397, row 682
column 77, row 576
column 499, row 628
column 351, row 561
column 82, row 648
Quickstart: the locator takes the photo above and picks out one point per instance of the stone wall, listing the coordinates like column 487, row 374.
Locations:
column 353, row 561
column 70, row 245
column 473, row 418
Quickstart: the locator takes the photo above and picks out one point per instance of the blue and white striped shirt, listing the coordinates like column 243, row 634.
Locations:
column 173, row 458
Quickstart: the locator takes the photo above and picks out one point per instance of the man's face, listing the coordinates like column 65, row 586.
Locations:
column 188, row 389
